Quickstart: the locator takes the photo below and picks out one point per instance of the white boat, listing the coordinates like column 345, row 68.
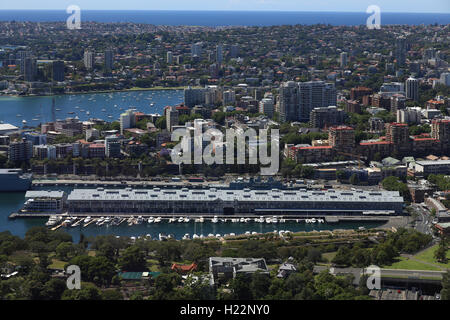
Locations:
column 158, row 220
column 274, row 219
column 139, row 220
column 210, row 235
column 215, row 219
column 232, row 234
column 52, row 221
column 201, row 220
column 162, row 237
column 186, row 237
column 180, row 219
column 218, row 235
column 247, row 232
column 100, row 221
column 254, row 232
column 186, row 219
column 151, row 220
column 268, row 220
column 313, row 220
column 282, row 220
column 172, row 220
column 195, row 236
column 24, row 121
column 242, row 220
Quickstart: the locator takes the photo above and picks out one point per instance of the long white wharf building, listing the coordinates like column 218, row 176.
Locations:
column 229, row 202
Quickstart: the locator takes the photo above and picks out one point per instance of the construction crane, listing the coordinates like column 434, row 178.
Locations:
column 358, row 156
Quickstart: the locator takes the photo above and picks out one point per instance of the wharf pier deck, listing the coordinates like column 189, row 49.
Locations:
column 166, row 216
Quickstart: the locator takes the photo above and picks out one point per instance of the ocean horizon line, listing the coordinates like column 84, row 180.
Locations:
column 187, row 10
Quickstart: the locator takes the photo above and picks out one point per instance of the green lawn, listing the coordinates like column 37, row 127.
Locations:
column 428, row 256
column 328, row 256
column 57, row 264
column 407, row 264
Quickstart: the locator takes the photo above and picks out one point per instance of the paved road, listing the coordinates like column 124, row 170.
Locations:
column 424, row 222
column 400, row 273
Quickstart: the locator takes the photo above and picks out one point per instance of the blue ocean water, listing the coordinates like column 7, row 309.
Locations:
column 226, row 18
column 106, row 106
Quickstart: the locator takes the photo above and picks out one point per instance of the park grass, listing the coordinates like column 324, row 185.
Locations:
column 57, row 264
column 407, row 264
column 329, row 256
column 153, row 265
column 428, row 256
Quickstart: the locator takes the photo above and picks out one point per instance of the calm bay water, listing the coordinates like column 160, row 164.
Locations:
column 226, row 18
column 106, row 106
column 11, row 202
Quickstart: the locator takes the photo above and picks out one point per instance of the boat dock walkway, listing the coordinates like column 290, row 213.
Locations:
column 167, row 216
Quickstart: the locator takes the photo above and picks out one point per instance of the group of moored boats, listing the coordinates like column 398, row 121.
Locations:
column 66, row 221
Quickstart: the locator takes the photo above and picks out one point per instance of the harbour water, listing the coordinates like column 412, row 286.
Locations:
column 36, row 110
column 12, row 202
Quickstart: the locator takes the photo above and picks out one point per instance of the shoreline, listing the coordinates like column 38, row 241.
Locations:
column 135, row 89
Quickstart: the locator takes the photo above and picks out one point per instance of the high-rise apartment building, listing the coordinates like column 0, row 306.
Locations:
column 400, row 50
column 266, row 107
column 30, row 69
column 314, row 94
column 169, row 58
column 326, row 117
column 20, row 151
column 171, row 117
column 109, row 60
column 112, row 146
column 196, row 49
column 440, row 130
column 219, row 53
column 127, row 119
column 412, row 89
column 88, row 60
column 288, row 103
column 342, row 138
column 343, row 59
column 194, row 96
column 58, row 70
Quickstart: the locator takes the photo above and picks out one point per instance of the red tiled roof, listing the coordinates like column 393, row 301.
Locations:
column 374, row 142
column 183, row 267
column 309, row 148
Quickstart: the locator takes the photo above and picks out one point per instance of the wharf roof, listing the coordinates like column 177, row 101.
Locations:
column 212, row 194
column 44, row 194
